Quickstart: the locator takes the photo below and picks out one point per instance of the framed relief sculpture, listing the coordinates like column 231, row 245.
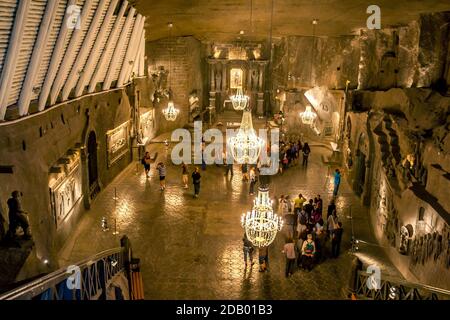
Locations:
column 117, row 143
column 65, row 186
column 236, row 78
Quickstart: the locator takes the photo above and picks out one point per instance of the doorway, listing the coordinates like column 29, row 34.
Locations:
column 92, row 165
column 360, row 176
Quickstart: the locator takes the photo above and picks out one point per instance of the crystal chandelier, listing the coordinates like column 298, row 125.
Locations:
column 239, row 100
column 170, row 113
column 308, row 116
column 261, row 224
column 246, row 145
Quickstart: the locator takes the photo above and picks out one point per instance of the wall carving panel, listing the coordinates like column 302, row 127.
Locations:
column 117, row 143
column 65, row 187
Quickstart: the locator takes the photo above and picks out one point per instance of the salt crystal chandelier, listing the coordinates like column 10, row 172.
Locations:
column 170, row 113
column 246, row 146
column 261, row 224
column 308, row 116
column 239, row 100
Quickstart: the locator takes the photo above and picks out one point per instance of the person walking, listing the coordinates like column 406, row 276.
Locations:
column 308, row 251
column 244, row 169
column 336, row 241
column 196, row 181
column 184, row 173
column 146, row 163
column 162, row 175
column 263, row 253
column 17, row 216
column 337, row 182
column 332, row 223
column 306, row 151
column 248, row 250
column 289, row 251
column 253, row 180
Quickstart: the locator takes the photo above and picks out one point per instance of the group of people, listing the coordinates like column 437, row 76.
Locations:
column 307, row 234
column 161, row 168
column 290, row 154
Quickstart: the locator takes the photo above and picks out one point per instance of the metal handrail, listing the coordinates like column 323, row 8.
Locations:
column 410, row 289
column 40, row 285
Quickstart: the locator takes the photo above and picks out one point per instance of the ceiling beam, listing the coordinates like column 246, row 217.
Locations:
column 56, row 55
column 136, row 59
column 84, row 51
column 142, row 64
column 118, row 49
column 93, row 55
column 9, row 65
column 35, row 61
column 66, row 63
column 132, row 47
column 108, row 46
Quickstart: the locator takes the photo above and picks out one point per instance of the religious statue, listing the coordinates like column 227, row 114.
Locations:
column 194, row 108
column 254, row 79
column 218, row 78
column 281, row 99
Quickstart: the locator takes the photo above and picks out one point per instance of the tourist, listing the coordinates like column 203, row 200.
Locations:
column 185, row 173
column 302, row 221
column 229, row 167
column 306, row 151
column 320, row 239
column 319, row 203
column 289, row 251
column 253, row 180
column 146, row 163
column 298, row 203
column 331, row 208
column 17, row 216
column 332, row 223
column 337, row 182
column 248, row 250
column 196, row 181
column 299, row 245
column 336, row 240
column 162, row 175
column 263, row 253
column 308, row 251
column 244, row 169
column 309, row 208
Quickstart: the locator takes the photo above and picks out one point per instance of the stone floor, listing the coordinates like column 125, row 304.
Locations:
column 192, row 248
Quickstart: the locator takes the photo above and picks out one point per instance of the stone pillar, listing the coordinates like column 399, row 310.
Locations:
column 260, row 105
column 212, row 76
column 224, row 76
column 365, row 197
column 260, row 80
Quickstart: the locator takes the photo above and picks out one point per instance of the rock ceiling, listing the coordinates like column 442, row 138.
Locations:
column 217, row 20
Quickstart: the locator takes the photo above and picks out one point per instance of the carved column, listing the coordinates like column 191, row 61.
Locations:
column 212, row 86
column 260, row 101
column 365, row 197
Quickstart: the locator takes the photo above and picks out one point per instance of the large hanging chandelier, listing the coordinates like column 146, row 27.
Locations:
column 308, row 116
column 239, row 100
column 170, row 113
column 246, row 145
column 262, row 224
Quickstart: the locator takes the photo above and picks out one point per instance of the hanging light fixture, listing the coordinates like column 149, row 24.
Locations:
column 261, row 224
column 239, row 100
column 246, row 145
column 308, row 116
column 170, row 113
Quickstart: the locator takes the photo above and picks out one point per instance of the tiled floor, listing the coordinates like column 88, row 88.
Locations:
column 192, row 248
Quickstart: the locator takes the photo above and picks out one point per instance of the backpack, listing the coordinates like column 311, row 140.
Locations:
column 309, row 248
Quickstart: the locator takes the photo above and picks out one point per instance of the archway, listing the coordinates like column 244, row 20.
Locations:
column 92, row 165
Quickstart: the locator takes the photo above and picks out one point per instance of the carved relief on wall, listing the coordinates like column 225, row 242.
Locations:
column 387, row 215
column 65, row 186
column 146, row 125
column 117, row 143
column 431, row 247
